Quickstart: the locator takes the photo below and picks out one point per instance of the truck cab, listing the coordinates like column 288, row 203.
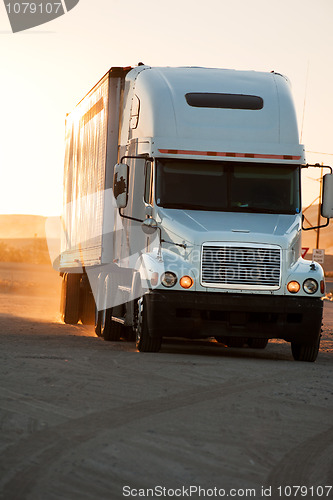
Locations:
column 222, row 180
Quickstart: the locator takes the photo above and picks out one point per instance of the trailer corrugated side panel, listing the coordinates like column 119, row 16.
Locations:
column 84, row 178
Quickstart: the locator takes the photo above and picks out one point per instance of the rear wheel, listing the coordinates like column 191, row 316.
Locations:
column 129, row 334
column 98, row 315
column 70, row 298
column 234, row 341
column 303, row 352
column 104, row 325
column 110, row 330
column 99, row 303
column 257, row 343
column 87, row 302
column 144, row 342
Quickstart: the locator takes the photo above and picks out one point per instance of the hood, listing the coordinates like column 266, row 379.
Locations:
column 197, row 227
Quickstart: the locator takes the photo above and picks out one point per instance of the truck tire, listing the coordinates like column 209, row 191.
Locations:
column 234, row 341
column 70, row 300
column 303, row 352
column 110, row 330
column 98, row 322
column 144, row 342
column 63, row 296
column 87, row 302
column 98, row 304
column 129, row 334
column 257, row 343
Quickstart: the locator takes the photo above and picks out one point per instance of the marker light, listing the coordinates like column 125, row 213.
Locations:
column 186, row 282
column 293, row 287
column 310, row 286
column 154, row 279
column 168, row 279
column 322, row 286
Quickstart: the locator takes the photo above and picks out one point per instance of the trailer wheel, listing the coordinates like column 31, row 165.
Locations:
column 257, row 343
column 63, row 296
column 110, row 330
column 99, row 303
column 70, row 300
column 87, row 302
column 144, row 342
column 303, row 352
column 98, row 322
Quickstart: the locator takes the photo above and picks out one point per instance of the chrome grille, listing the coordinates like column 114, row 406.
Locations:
column 240, row 266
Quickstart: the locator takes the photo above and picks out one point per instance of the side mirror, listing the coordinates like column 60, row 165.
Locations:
column 120, row 184
column 149, row 226
column 327, row 201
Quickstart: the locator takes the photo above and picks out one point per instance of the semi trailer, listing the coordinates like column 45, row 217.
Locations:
column 182, row 211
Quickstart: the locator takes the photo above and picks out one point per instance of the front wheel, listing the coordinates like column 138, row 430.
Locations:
column 304, row 352
column 144, row 342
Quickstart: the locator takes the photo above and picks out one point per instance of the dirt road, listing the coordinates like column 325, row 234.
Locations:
column 85, row 419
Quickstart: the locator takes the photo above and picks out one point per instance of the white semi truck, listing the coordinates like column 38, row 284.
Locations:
column 183, row 216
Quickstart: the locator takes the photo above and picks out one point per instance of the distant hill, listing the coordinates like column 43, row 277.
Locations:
column 29, row 250
column 22, row 239
column 22, row 226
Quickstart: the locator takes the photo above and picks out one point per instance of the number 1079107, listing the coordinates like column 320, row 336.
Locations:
column 33, row 8
column 304, row 491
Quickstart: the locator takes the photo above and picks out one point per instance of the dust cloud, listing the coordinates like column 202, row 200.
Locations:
column 30, row 291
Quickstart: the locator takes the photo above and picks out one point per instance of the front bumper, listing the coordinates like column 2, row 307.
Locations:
column 204, row 314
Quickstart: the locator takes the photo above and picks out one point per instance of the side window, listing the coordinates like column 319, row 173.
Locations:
column 135, row 111
column 148, row 182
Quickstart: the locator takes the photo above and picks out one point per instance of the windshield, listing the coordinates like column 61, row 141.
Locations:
column 227, row 186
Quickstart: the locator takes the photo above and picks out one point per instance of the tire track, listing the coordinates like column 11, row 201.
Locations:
column 308, row 464
column 22, row 464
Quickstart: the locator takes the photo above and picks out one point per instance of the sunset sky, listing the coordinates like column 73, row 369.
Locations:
column 45, row 71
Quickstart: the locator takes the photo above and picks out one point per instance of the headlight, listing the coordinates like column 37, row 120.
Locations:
column 168, row 279
column 310, row 286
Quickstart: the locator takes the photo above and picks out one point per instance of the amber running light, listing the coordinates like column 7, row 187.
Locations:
column 186, row 282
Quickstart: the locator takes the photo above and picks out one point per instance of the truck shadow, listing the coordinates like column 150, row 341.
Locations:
column 19, row 329
column 209, row 347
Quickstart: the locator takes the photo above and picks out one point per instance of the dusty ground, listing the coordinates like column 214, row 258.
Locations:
column 82, row 418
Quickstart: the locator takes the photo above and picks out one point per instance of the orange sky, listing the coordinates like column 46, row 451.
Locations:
column 46, row 70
